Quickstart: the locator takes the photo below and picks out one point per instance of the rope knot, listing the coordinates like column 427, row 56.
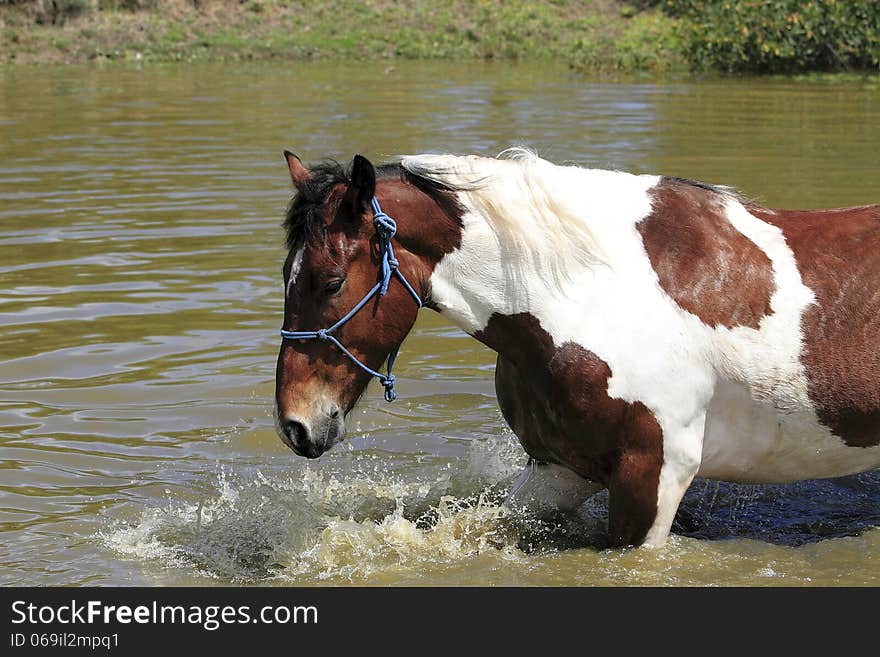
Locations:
column 321, row 334
column 385, row 226
column 388, row 382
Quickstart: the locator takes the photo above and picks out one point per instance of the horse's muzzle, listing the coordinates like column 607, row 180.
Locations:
column 327, row 430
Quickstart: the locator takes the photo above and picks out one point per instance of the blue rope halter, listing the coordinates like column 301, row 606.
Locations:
column 386, row 228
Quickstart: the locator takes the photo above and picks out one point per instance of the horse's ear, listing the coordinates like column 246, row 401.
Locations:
column 363, row 182
column 298, row 173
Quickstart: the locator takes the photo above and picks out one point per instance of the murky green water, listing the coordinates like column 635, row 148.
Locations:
column 140, row 257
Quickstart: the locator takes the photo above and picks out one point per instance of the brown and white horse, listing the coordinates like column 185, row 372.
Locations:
column 648, row 329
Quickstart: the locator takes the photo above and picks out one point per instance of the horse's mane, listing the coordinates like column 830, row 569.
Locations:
column 515, row 195
column 520, row 196
column 721, row 190
column 303, row 218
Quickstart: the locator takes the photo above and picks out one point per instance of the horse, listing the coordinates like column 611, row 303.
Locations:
column 649, row 329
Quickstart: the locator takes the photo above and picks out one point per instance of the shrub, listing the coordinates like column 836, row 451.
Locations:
column 779, row 36
column 55, row 12
column 649, row 42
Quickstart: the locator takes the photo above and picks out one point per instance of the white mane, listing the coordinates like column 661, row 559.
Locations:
column 518, row 195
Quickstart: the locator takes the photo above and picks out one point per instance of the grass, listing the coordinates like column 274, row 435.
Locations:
column 599, row 35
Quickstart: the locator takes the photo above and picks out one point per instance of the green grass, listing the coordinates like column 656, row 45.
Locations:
column 773, row 36
column 605, row 34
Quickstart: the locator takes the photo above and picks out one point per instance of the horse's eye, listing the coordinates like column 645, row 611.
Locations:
column 332, row 287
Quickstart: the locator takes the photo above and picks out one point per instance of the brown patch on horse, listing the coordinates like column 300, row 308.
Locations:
column 838, row 255
column 429, row 217
column 702, row 261
column 556, row 401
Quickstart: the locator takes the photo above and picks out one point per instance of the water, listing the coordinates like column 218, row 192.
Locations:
column 140, row 260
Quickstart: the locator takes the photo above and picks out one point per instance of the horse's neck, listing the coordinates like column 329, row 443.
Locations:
column 494, row 294
column 481, row 278
column 539, row 266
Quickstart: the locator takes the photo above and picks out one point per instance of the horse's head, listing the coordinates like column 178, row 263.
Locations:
column 335, row 259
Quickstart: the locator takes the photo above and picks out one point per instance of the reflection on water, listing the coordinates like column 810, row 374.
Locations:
column 140, row 255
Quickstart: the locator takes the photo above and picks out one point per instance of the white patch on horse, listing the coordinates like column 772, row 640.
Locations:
column 561, row 244
column 294, row 270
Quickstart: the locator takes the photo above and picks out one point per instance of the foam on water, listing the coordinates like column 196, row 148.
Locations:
column 345, row 518
column 460, row 529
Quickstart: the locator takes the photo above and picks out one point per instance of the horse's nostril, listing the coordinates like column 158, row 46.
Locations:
column 299, row 440
column 334, row 414
column 296, row 432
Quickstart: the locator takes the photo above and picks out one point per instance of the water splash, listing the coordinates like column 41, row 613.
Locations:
column 341, row 519
column 460, row 529
column 366, row 517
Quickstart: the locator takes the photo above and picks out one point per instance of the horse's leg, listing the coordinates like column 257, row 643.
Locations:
column 645, row 491
column 545, row 488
